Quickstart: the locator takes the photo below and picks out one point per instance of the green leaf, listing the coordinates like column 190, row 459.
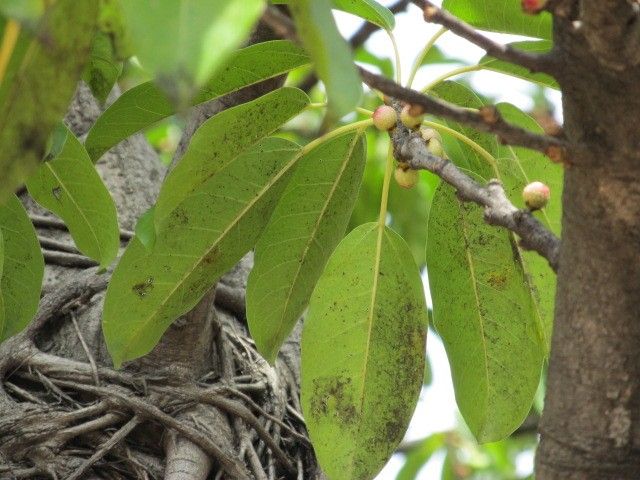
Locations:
column 504, row 16
column 363, row 352
column 518, row 167
column 23, row 267
column 103, row 69
column 484, row 312
column 197, row 243
column 384, row 64
column 459, row 152
column 71, row 188
column 330, row 52
column 541, row 46
column 436, row 55
column 309, row 221
column 370, row 10
column 420, row 455
column 183, row 42
column 37, row 95
column 222, row 138
column 145, row 104
column 145, row 228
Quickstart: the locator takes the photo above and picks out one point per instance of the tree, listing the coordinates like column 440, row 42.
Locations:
column 162, row 348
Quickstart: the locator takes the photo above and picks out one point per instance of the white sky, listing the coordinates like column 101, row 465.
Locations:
column 437, row 409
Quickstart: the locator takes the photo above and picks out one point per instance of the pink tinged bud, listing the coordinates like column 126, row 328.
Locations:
column 533, row 6
column 536, row 195
column 385, row 118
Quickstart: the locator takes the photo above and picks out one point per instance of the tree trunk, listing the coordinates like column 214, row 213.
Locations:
column 591, row 423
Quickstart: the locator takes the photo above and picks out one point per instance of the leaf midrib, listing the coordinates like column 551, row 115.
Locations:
column 315, row 229
column 140, row 330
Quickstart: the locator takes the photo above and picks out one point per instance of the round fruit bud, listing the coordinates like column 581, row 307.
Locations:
column 533, row 6
column 408, row 119
column 385, row 118
column 434, row 141
column 406, row 177
column 536, row 195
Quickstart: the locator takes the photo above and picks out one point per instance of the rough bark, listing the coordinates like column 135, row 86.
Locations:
column 591, row 422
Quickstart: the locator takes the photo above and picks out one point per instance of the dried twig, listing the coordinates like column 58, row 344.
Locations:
column 106, row 447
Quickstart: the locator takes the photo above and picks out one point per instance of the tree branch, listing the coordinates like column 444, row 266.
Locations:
column 409, row 147
column 487, row 119
column 535, row 62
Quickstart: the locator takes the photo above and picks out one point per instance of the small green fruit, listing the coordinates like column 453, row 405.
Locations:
column 406, row 177
column 385, row 118
column 536, row 195
column 434, row 141
column 408, row 119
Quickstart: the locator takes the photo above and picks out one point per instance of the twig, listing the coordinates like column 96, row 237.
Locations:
column 534, row 62
column 92, row 361
column 498, row 210
column 67, row 259
column 357, row 40
column 107, row 446
column 99, row 423
column 486, row 119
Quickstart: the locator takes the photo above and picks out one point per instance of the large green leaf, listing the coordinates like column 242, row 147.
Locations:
column 308, row 223
column 36, row 96
column 71, row 188
column 541, row 46
column 330, row 52
column 504, row 16
column 22, row 270
column 485, row 314
column 222, row 138
column 144, row 105
column 212, row 228
column 183, row 42
column 363, row 352
column 518, row 167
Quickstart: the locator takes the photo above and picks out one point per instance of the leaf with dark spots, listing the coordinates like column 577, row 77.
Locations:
column 22, row 268
column 362, row 342
column 198, row 165
column 144, row 105
column 70, row 187
column 484, row 312
column 309, row 221
column 212, row 228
